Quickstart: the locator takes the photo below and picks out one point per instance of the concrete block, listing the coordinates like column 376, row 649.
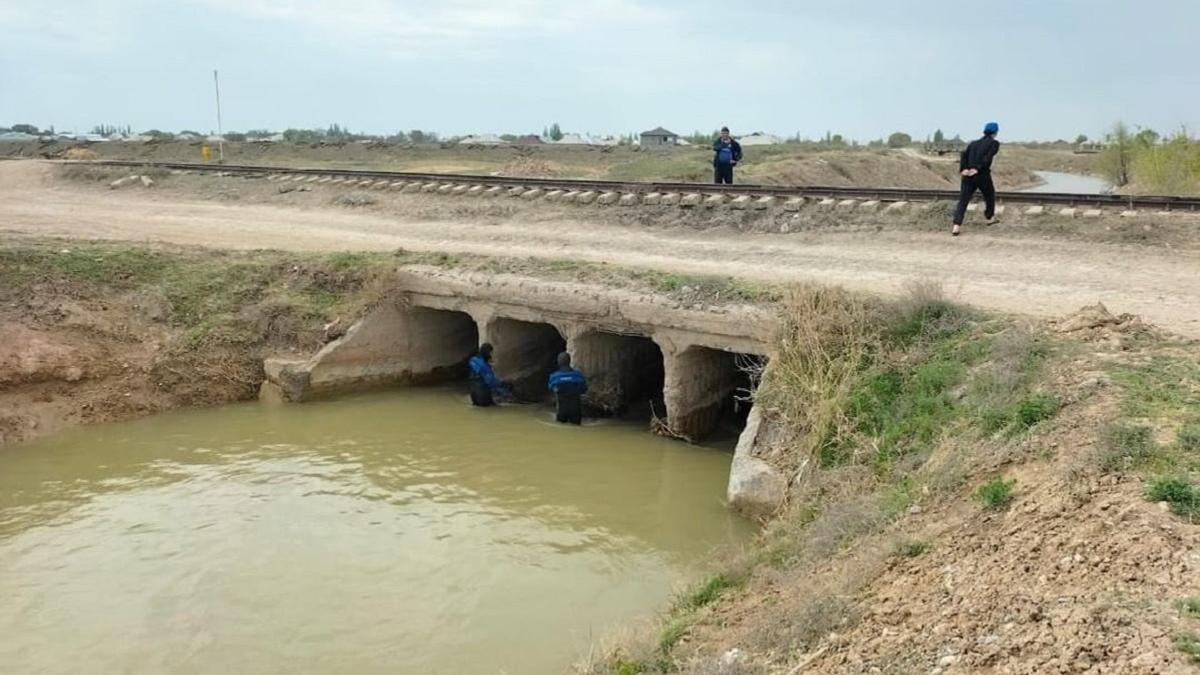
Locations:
column 690, row 199
column 381, row 185
column 847, row 204
column 585, row 197
column 397, row 186
column 325, row 179
column 475, row 190
column 896, row 207
column 337, row 180
column 460, row 190
column 669, row 199
column 493, row 191
column 444, row 188
column 1069, row 212
column 313, row 179
column 299, row 178
column 827, row 204
column 533, row 194
column 608, row 198
column 554, row 195
column 628, row 199
column 764, row 202
column 1128, row 213
column 793, row 204
column 1035, row 210
column 651, row 198
column 1093, row 213
column 515, row 192
column 146, row 181
column 740, row 202
column 122, row 182
column 869, row 205
column 430, row 187
column 273, row 177
column 569, row 196
column 713, row 201
column 412, row 187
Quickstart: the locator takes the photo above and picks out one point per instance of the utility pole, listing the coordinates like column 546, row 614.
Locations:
column 220, row 133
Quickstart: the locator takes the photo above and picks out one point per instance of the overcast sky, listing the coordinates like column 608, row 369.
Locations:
column 864, row 68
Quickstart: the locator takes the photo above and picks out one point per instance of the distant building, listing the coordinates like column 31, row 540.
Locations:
column 658, row 137
column 530, row 139
column 481, row 139
column 573, row 139
column 759, row 138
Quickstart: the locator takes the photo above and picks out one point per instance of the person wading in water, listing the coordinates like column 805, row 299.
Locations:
column 484, row 382
column 975, row 167
column 726, row 154
column 569, row 386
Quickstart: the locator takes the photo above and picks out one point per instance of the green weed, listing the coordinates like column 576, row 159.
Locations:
column 1189, row 607
column 1037, row 407
column 1188, row 438
column 1124, row 446
column 1179, row 492
column 707, row 592
column 671, row 634
column 996, row 494
column 912, row 549
column 1189, row 643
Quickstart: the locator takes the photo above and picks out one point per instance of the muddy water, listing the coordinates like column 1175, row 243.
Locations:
column 1056, row 181
column 397, row 533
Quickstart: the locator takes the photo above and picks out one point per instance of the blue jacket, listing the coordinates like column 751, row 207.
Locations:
column 481, row 371
column 733, row 152
column 567, row 381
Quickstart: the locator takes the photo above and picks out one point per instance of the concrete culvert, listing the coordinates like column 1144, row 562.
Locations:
column 625, row 373
column 525, row 355
column 709, row 390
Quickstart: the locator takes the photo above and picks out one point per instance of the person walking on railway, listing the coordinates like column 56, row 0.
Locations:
column 975, row 167
column 569, row 386
column 484, row 383
column 726, row 154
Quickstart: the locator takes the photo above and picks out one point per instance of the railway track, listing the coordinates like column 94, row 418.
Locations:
column 1127, row 202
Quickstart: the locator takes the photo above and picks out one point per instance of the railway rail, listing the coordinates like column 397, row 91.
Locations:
column 1149, row 202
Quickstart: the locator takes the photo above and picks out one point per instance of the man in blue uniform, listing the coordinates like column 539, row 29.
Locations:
column 726, row 154
column 484, row 382
column 569, row 386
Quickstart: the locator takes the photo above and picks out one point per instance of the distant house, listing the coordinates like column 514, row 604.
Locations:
column 481, row 139
column 530, row 139
column 574, row 139
column 759, row 138
column 658, row 137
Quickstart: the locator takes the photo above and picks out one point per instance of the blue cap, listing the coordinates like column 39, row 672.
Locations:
column 991, row 128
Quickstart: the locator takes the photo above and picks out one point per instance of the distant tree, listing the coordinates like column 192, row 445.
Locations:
column 258, row 133
column 303, row 135
column 555, row 132
column 1081, row 139
column 398, row 137
column 25, row 129
column 105, row 130
column 899, row 140
column 1116, row 159
column 417, row 136
column 877, row 143
column 1148, row 137
column 939, row 137
column 189, row 131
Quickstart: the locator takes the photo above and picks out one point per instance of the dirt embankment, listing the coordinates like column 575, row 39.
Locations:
column 778, row 164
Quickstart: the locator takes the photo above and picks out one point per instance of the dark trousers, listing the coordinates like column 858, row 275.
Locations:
column 723, row 173
column 983, row 183
column 569, row 409
column 481, row 395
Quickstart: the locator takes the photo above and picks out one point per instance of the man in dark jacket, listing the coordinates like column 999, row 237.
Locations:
column 975, row 167
column 726, row 154
column 484, row 382
column 569, row 386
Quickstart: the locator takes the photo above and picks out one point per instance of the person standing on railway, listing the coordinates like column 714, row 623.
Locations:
column 484, row 383
column 975, row 167
column 569, row 386
column 726, row 154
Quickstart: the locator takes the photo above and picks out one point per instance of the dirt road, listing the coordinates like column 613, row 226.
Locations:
column 1035, row 277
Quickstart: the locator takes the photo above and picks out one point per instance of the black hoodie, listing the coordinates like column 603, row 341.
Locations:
column 979, row 154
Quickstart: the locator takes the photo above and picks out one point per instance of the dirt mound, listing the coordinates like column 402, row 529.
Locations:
column 80, row 154
column 1095, row 323
column 531, row 167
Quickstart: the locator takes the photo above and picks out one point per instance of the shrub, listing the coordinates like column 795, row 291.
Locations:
column 1037, row 407
column 912, row 549
column 996, row 494
column 1189, row 643
column 1189, row 438
column 707, row 592
column 1125, row 445
column 1190, row 607
column 1179, row 492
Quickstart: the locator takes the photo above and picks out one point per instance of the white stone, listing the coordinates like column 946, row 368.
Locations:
column 764, row 202
column 1128, row 213
column 585, row 197
column 628, row 199
column 651, row 198
column 146, row 181
column 493, row 191
column 669, row 199
column 516, row 191
column 554, row 195
column 1093, row 213
column 896, row 207
column 1035, row 210
column 847, row 204
column 430, row 187
column 869, row 205
column 740, row 202
column 827, row 204
column 713, row 201
column 608, row 198
column 533, row 194
column 755, row 488
column 793, row 204
column 1069, row 212
column 412, row 187
column 690, row 199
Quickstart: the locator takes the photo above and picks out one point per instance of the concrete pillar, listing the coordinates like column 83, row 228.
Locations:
column 698, row 381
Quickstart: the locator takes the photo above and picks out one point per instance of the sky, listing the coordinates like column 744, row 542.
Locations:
column 1044, row 69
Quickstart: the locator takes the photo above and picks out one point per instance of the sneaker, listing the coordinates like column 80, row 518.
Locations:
column 956, row 231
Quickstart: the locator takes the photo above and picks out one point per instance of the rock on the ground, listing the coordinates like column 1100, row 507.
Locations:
column 756, row 488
